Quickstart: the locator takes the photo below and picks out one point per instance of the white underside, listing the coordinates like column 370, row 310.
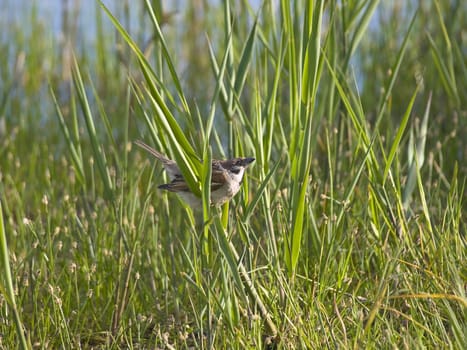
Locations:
column 218, row 197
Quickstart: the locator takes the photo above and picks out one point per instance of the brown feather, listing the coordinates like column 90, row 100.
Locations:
column 175, row 186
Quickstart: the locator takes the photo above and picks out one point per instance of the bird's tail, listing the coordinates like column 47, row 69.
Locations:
column 155, row 153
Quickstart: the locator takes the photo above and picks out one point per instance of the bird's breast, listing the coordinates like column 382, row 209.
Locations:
column 224, row 193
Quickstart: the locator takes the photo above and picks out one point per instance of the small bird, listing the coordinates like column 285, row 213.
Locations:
column 226, row 178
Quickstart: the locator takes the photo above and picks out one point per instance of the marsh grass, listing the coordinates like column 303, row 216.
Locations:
column 349, row 231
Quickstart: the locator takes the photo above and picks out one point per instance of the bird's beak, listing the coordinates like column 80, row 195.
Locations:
column 247, row 161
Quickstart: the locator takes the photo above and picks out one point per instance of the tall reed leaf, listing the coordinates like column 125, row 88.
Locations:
column 99, row 154
column 76, row 157
column 416, row 155
column 7, row 290
column 309, row 62
column 399, row 134
column 394, row 72
column 183, row 151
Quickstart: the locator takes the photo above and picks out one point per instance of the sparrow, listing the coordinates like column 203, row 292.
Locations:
column 226, row 178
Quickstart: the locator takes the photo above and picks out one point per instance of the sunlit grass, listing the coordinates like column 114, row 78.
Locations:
column 349, row 230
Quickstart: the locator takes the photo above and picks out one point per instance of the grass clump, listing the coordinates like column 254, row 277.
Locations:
column 349, row 230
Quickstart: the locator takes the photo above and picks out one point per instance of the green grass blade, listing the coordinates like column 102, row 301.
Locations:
column 447, row 80
column 416, row 156
column 189, row 165
column 8, row 290
column 448, row 56
column 75, row 154
column 184, row 153
column 254, row 202
column 166, row 54
column 245, row 60
column 206, row 197
column 395, row 71
column 399, row 134
column 313, row 57
column 298, row 225
column 99, row 154
column 362, row 26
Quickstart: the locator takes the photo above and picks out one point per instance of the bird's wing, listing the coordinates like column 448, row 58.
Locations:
column 176, row 185
column 179, row 185
column 219, row 177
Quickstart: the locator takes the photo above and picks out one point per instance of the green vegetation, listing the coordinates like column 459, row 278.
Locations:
column 349, row 230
